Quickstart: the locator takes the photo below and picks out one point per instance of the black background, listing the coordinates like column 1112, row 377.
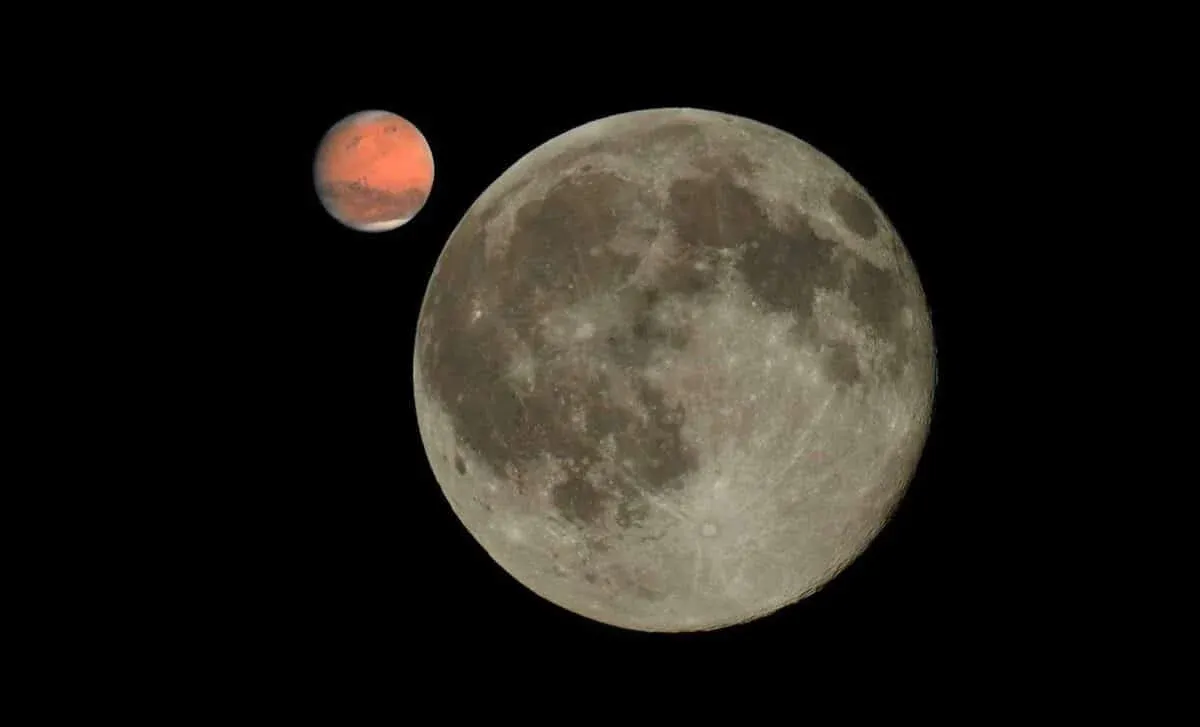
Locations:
column 356, row 557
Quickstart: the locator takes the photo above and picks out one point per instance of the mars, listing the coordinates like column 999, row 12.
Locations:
column 373, row 171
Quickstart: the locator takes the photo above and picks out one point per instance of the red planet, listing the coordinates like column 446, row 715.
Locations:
column 373, row 171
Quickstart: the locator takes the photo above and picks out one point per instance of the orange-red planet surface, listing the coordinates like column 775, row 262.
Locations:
column 373, row 171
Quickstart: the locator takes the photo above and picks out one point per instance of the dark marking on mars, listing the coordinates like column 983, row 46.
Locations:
column 366, row 204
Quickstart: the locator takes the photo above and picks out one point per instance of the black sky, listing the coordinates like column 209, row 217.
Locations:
column 357, row 556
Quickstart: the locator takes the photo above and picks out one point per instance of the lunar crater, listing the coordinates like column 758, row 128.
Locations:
column 856, row 212
column 694, row 398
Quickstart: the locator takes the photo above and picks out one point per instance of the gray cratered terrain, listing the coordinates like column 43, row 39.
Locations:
column 674, row 369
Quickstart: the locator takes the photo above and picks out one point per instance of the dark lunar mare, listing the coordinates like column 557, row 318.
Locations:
column 548, row 267
column 511, row 429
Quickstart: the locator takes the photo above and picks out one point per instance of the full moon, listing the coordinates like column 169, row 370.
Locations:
column 674, row 370
column 373, row 171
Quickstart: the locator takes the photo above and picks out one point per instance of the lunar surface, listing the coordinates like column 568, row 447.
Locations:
column 373, row 171
column 674, row 370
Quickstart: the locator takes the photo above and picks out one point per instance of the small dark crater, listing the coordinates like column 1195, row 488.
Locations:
column 842, row 364
column 788, row 264
column 459, row 465
column 648, row 594
column 879, row 297
column 643, row 333
column 714, row 212
column 589, row 576
column 685, row 279
column 664, row 459
column 634, row 345
column 578, row 501
column 631, row 511
column 877, row 294
column 596, row 545
column 855, row 212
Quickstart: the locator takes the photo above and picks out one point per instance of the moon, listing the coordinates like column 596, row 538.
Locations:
column 674, row 370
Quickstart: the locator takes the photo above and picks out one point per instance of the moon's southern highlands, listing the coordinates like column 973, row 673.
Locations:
column 373, row 171
column 674, row 369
